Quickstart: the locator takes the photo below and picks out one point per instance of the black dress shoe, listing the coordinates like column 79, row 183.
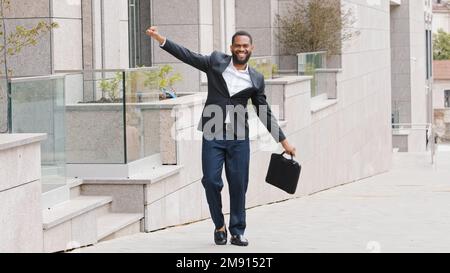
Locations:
column 239, row 240
column 220, row 237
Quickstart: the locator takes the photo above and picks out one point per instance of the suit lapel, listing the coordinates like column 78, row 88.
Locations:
column 223, row 64
column 220, row 67
column 254, row 77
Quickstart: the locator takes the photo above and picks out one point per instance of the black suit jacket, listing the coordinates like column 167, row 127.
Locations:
column 218, row 98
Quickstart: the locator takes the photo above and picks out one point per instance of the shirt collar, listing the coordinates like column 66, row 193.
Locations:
column 233, row 67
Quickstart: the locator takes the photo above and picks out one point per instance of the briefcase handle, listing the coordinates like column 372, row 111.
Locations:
column 292, row 157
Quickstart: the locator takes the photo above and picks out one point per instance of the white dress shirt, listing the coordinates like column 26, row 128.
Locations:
column 237, row 81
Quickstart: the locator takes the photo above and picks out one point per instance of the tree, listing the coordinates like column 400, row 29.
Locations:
column 13, row 42
column 315, row 25
column 441, row 45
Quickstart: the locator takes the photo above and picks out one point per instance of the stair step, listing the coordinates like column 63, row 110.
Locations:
column 70, row 209
column 74, row 182
column 74, row 185
column 53, row 197
column 54, row 194
column 110, row 223
column 150, row 176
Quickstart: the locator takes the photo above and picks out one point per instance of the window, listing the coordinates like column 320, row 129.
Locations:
column 140, row 46
column 428, row 54
column 447, row 98
column 134, row 32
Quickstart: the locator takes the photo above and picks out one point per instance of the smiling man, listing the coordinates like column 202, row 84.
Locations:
column 224, row 122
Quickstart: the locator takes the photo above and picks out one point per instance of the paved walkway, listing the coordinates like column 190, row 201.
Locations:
column 405, row 210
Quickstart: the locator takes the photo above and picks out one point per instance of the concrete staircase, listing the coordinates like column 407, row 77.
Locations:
column 85, row 220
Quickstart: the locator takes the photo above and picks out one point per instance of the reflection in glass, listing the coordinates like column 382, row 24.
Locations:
column 308, row 63
column 102, row 127
column 3, row 82
column 38, row 106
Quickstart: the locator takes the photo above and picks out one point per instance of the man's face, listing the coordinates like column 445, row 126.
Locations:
column 241, row 49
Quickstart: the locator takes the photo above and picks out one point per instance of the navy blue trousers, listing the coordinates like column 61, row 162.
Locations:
column 235, row 154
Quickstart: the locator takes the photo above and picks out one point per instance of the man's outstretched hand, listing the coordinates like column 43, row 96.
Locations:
column 153, row 33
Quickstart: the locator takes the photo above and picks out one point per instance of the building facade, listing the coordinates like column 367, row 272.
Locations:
column 411, row 44
column 441, row 86
column 441, row 15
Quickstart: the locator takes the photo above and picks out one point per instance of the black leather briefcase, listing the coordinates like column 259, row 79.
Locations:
column 283, row 173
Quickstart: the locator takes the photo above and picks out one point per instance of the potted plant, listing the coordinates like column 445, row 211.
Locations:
column 304, row 28
column 112, row 88
column 264, row 66
column 163, row 80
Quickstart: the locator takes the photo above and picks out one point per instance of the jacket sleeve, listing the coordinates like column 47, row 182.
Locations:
column 264, row 113
column 183, row 54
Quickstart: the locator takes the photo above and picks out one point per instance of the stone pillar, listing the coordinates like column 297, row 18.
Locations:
column 32, row 61
column 35, row 60
column 60, row 49
column 262, row 26
column 20, row 193
column 3, row 106
column 145, row 43
column 90, row 57
column 408, row 62
column 188, row 23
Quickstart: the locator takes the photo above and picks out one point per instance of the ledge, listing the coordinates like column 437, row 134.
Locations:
column 322, row 105
column 401, row 132
column 280, row 80
column 153, row 175
column 37, row 78
column 288, row 80
column 73, row 208
column 9, row 141
column 329, row 70
column 113, row 222
column 183, row 101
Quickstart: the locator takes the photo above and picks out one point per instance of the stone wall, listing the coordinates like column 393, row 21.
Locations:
column 20, row 193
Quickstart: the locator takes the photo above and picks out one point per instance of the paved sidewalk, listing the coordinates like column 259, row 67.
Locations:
column 405, row 210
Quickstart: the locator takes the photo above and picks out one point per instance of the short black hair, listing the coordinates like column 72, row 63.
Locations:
column 242, row 33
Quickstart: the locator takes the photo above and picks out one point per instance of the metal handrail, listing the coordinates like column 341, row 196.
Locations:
column 312, row 52
column 412, row 124
column 106, row 70
column 37, row 78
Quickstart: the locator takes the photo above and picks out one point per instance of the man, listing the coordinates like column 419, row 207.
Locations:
column 231, row 83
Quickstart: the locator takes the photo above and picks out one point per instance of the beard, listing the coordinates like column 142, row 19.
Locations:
column 236, row 59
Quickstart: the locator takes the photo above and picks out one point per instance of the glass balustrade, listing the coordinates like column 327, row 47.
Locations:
column 37, row 106
column 308, row 63
column 93, row 117
column 113, row 116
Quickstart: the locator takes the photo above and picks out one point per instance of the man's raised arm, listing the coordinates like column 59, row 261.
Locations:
column 183, row 54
